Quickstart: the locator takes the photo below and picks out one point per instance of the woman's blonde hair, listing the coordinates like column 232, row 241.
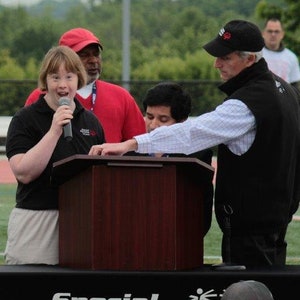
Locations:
column 57, row 56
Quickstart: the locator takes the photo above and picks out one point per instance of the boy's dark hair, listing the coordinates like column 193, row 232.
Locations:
column 170, row 94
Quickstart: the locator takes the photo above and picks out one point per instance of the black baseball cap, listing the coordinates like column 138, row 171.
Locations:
column 236, row 35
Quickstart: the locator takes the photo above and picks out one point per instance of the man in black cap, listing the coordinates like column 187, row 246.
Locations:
column 257, row 132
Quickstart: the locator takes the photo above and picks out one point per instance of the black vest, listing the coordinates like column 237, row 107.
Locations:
column 260, row 185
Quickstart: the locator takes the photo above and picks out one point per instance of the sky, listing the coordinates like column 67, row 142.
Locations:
column 20, row 2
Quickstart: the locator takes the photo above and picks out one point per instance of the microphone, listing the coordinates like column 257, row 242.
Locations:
column 68, row 127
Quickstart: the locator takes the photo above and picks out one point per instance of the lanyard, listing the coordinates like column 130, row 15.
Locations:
column 94, row 94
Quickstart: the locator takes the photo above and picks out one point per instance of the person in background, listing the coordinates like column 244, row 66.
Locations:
column 113, row 105
column 168, row 103
column 35, row 140
column 257, row 132
column 247, row 290
column 281, row 60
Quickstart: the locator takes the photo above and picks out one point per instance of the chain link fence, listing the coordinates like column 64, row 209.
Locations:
column 205, row 93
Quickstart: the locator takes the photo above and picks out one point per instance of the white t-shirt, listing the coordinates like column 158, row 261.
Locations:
column 283, row 63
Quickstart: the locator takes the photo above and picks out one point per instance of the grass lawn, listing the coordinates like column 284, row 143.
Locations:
column 212, row 241
column 7, row 201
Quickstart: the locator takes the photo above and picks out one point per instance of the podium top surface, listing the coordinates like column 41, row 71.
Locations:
column 66, row 168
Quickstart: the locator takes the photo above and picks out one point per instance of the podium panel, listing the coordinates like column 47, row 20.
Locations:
column 131, row 213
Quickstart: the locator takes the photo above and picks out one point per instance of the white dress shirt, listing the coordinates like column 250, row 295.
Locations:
column 231, row 123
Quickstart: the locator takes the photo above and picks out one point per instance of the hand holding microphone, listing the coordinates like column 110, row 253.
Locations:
column 68, row 127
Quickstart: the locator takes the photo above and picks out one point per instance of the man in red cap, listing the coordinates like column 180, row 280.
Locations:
column 115, row 108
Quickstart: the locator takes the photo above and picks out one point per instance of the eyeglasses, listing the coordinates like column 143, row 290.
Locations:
column 273, row 31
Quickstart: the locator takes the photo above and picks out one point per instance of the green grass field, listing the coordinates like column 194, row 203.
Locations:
column 212, row 240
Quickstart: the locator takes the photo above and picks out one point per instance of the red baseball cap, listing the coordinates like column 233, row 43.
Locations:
column 78, row 38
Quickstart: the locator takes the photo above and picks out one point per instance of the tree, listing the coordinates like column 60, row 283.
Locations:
column 166, row 41
column 34, row 42
column 9, row 69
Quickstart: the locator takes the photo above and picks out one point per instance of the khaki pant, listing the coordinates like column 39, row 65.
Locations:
column 32, row 237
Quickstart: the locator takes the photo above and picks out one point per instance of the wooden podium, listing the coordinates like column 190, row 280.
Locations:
column 130, row 212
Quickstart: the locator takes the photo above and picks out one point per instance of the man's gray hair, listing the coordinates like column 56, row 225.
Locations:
column 258, row 55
